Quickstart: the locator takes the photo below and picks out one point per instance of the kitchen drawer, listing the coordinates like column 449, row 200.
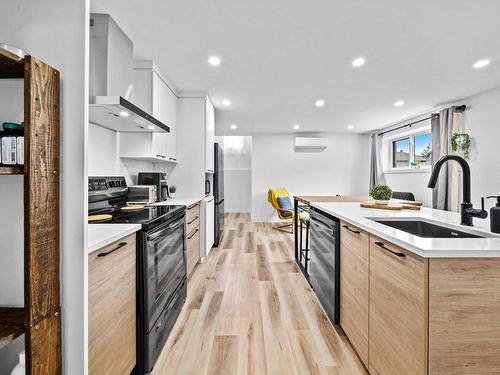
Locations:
column 192, row 212
column 112, row 308
column 192, row 224
column 193, row 249
column 354, row 282
column 398, row 310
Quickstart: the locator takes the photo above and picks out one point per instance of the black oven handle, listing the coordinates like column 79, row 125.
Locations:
column 179, row 222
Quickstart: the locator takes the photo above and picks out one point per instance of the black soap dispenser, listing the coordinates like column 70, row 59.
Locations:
column 495, row 215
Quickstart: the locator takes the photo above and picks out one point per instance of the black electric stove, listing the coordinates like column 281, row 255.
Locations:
column 161, row 261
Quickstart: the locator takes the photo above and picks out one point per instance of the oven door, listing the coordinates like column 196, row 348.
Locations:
column 166, row 267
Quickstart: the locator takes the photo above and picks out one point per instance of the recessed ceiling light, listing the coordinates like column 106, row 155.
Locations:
column 319, row 103
column 123, row 114
column 358, row 62
column 296, row 126
column 350, row 127
column 481, row 63
column 151, row 127
column 226, row 102
column 214, row 60
column 399, row 103
column 234, row 126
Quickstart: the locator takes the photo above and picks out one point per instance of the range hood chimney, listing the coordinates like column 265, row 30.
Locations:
column 111, row 80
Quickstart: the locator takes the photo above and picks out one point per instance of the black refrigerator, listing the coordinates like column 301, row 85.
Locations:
column 218, row 194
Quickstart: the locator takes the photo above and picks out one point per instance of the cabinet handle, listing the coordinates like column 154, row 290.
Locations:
column 174, row 159
column 351, row 230
column 120, row 245
column 196, row 230
column 161, row 156
column 192, row 221
column 381, row 245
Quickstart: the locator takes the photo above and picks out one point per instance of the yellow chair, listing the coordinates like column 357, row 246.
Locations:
column 280, row 199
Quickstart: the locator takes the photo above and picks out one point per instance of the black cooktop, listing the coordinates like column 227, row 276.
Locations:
column 146, row 216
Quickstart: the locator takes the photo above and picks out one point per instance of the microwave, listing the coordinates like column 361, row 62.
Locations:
column 142, row 194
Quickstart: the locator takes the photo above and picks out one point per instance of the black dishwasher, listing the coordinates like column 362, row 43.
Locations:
column 324, row 270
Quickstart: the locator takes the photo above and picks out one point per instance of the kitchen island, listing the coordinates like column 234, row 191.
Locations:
column 415, row 305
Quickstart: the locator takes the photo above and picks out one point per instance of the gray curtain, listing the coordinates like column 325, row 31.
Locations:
column 443, row 124
column 376, row 170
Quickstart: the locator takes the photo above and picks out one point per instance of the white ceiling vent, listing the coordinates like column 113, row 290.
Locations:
column 310, row 144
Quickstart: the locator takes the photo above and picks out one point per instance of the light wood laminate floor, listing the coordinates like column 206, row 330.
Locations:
column 250, row 311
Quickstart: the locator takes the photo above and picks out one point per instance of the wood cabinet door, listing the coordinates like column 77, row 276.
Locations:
column 398, row 337
column 111, row 308
column 193, row 249
column 354, row 293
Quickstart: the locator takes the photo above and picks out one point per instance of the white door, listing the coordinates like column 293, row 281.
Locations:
column 165, row 110
column 209, row 224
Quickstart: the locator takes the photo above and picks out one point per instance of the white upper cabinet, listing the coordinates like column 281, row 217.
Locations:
column 153, row 95
column 210, row 137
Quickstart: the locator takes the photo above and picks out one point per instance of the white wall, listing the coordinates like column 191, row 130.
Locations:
column 237, row 173
column 55, row 31
column 341, row 169
column 482, row 119
column 104, row 160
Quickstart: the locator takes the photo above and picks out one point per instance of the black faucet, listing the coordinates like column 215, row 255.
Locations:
column 467, row 212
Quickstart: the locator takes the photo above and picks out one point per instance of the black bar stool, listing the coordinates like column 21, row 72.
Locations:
column 304, row 251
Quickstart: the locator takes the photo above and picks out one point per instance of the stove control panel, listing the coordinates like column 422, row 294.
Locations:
column 107, row 184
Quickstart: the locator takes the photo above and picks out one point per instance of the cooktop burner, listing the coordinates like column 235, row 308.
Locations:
column 146, row 216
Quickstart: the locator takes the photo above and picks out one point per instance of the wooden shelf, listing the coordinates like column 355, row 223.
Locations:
column 11, row 324
column 11, row 170
column 12, row 66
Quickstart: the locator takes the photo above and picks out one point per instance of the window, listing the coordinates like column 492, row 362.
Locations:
column 414, row 151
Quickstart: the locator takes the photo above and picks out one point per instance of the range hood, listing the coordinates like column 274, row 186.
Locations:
column 118, row 114
column 111, row 81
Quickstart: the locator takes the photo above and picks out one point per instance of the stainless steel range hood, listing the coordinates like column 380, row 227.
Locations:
column 118, row 114
column 111, row 80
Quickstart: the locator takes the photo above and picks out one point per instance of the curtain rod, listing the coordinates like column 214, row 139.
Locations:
column 460, row 108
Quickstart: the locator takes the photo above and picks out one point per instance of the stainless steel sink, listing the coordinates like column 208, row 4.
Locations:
column 428, row 229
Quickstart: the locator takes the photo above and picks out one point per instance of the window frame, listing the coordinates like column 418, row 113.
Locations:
column 411, row 140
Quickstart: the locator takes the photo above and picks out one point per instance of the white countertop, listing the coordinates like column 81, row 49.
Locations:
column 178, row 202
column 100, row 235
column 425, row 247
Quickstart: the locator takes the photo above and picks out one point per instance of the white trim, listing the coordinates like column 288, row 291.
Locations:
column 426, row 169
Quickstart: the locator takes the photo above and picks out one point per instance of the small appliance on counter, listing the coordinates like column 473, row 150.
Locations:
column 158, row 179
column 495, row 214
column 161, row 263
column 142, row 194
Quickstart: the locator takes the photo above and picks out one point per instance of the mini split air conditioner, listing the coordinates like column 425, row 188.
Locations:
column 310, row 144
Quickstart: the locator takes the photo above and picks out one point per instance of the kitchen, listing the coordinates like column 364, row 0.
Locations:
column 223, row 197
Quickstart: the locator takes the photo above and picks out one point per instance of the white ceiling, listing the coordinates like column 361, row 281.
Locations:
column 279, row 56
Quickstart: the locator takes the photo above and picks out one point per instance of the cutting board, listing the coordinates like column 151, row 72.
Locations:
column 393, row 206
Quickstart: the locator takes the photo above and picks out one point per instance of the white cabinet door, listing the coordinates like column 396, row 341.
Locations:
column 165, row 110
column 210, row 137
column 209, row 224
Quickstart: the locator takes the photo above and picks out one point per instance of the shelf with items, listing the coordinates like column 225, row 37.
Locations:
column 40, row 319
column 11, row 324
column 15, row 169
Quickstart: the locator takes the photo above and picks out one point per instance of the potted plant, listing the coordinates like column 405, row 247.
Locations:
column 381, row 194
column 461, row 142
column 171, row 190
